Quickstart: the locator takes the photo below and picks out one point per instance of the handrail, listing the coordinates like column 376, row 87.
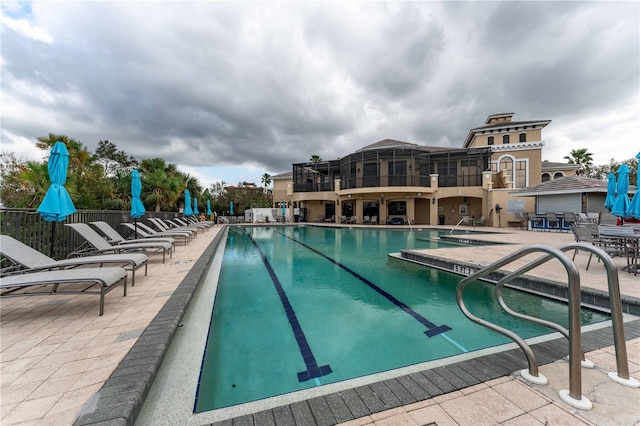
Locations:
column 473, row 221
column 622, row 365
column 574, row 396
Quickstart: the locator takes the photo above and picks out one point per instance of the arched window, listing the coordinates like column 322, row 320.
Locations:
column 505, row 138
column 523, row 137
column 546, row 177
column 558, row 175
column 490, row 140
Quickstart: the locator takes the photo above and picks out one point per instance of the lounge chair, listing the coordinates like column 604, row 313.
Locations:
column 190, row 223
column 146, row 231
column 114, row 237
column 28, row 257
column 164, row 227
column 31, row 283
column 180, row 224
column 100, row 245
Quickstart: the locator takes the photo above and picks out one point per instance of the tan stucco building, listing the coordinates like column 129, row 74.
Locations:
column 390, row 180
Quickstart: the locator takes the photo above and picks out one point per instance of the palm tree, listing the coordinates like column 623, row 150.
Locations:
column 161, row 182
column 266, row 180
column 582, row 157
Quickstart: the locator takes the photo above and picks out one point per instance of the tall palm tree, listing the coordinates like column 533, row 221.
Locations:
column 266, row 181
column 315, row 159
column 582, row 157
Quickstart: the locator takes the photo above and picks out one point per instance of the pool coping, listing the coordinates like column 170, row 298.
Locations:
column 589, row 297
column 120, row 400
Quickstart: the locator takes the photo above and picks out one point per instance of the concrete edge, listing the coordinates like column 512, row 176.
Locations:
column 120, row 399
column 589, row 297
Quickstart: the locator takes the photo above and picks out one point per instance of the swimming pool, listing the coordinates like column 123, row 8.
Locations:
column 299, row 307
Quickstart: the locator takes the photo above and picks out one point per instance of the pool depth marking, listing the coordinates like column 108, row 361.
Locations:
column 432, row 329
column 313, row 370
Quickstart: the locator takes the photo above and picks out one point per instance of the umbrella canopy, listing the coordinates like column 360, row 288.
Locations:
column 611, row 191
column 137, row 208
column 56, row 204
column 230, row 208
column 209, row 212
column 187, row 203
column 621, row 205
column 634, row 207
column 195, row 207
column 284, row 212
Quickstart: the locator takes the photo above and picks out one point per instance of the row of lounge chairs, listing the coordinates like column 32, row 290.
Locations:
column 99, row 265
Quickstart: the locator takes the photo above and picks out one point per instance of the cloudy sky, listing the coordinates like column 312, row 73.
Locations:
column 231, row 90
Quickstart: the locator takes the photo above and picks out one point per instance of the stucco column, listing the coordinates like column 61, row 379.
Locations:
column 433, row 206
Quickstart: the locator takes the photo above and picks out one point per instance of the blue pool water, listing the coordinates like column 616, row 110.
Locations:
column 298, row 307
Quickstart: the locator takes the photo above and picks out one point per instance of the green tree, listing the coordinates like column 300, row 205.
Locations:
column 581, row 156
column 162, row 184
column 112, row 159
column 266, row 181
column 24, row 183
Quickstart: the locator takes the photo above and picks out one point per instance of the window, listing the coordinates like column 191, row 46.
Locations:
column 370, row 174
column 505, row 138
column 558, row 175
column 523, row 137
column 546, row 177
column 397, row 208
column 521, row 174
column 447, row 174
column 490, row 140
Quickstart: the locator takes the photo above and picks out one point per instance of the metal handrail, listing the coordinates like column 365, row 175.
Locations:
column 622, row 365
column 574, row 396
column 473, row 221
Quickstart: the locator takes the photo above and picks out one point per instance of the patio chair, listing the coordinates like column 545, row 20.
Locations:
column 374, row 220
column 570, row 218
column 171, row 226
column 610, row 246
column 146, row 231
column 481, row 221
column 100, row 245
column 190, row 224
column 63, row 282
column 31, row 259
column 519, row 219
column 114, row 237
column 366, row 220
column 552, row 220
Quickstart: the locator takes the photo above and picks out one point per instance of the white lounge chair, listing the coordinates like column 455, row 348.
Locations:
column 100, row 245
column 28, row 257
column 146, row 231
column 66, row 281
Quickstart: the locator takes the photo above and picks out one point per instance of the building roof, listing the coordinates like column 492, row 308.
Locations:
column 550, row 165
column 565, row 185
column 392, row 143
column 504, row 124
column 280, row 176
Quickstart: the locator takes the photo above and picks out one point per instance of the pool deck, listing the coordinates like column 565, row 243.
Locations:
column 57, row 355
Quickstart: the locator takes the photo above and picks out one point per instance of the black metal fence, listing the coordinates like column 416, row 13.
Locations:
column 56, row 240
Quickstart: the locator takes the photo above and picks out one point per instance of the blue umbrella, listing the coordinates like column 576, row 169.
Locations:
column 137, row 208
column 230, row 208
column 187, row 203
column 284, row 212
column 611, row 191
column 209, row 212
column 621, row 205
column 634, row 207
column 56, row 204
column 195, row 207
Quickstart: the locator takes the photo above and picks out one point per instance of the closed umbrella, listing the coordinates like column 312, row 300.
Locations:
column 209, row 212
column 137, row 208
column 56, row 204
column 621, row 205
column 284, row 212
column 634, row 207
column 187, row 203
column 230, row 208
column 195, row 207
column 611, row 191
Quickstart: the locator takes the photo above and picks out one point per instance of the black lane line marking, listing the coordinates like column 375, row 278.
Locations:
column 313, row 370
column 432, row 329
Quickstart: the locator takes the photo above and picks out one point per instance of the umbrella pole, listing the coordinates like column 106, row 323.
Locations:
column 53, row 232
column 135, row 227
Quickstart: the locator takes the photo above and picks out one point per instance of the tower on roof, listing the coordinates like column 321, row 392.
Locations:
column 497, row 118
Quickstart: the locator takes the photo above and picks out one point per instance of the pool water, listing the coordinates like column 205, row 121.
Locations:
column 299, row 307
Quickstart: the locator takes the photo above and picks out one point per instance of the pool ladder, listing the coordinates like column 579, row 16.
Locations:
column 573, row 396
